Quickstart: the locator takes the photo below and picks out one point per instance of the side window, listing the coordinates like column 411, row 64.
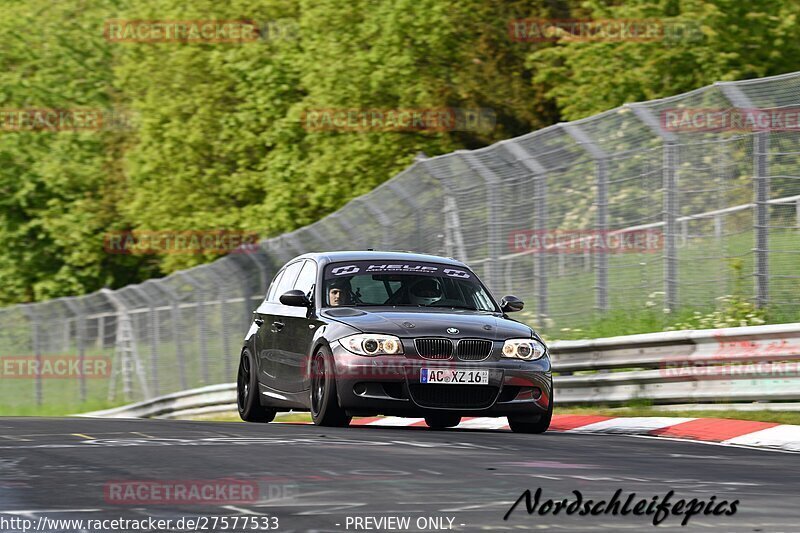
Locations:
column 307, row 278
column 287, row 281
column 273, row 287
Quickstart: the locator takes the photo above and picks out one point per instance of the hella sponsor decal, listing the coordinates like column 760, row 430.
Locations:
column 414, row 268
column 417, row 269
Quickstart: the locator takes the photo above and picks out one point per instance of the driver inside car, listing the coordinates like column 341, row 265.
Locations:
column 425, row 292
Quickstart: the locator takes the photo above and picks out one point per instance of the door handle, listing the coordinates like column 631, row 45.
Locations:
column 278, row 325
column 259, row 322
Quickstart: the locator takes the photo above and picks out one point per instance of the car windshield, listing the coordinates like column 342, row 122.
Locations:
column 411, row 284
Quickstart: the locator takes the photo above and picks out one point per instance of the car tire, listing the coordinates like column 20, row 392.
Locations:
column 247, row 400
column 539, row 426
column 442, row 421
column 324, row 400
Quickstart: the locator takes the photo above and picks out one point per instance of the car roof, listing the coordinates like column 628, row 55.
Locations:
column 374, row 255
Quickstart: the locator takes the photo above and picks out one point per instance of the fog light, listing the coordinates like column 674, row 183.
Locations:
column 529, row 393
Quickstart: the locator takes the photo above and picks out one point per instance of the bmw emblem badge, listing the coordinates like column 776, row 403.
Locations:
column 452, row 331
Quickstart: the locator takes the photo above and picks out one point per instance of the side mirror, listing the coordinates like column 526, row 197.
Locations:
column 509, row 304
column 295, row 298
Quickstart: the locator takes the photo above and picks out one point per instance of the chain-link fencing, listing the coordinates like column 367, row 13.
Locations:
column 668, row 204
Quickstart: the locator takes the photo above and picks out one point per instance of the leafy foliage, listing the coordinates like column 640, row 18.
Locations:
column 721, row 40
column 217, row 139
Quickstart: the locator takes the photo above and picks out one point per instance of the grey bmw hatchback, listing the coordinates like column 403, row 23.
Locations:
column 367, row 333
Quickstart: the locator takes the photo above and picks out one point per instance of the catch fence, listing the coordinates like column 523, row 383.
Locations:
column 660, row 205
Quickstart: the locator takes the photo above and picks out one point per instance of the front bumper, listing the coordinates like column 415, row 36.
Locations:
column 390, row 385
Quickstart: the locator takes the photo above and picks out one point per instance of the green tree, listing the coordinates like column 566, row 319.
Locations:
column 722, row 40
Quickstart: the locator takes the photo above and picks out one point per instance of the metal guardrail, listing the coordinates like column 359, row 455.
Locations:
column 731, row 366
column 195, row 402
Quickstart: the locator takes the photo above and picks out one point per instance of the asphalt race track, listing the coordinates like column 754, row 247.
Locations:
column 322, row 479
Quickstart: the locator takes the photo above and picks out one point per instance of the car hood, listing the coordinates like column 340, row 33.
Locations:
column 429, row 322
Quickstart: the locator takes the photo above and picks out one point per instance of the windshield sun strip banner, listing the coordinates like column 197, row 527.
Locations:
column 414, row 268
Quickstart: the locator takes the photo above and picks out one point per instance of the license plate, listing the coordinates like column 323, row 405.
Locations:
column 457, row 377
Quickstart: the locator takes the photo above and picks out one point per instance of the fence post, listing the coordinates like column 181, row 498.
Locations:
column 226, row 351
column 154, row 327
column 761, row 188
column 101, row 332
column 349, row 230
column 601, row 202
column 797, row 211
column 491, row 183
column 125, row 350
column 670, row 187
column 176, row 329
column 383, row 220
column 262, row 269
column 247, row 297
column 295, row 245
column 408, row 199
column 317, row 234
column 761, row 164
column 539, row 173
column 202, row 323
column 669, row 142
column 451, row 222
column 284, row 251
column 65, row 325
column 331, row 234
column 80, row 339
column 35, row 347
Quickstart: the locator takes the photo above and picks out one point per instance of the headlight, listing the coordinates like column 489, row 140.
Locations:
column 369, row 344
column 527, row 349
